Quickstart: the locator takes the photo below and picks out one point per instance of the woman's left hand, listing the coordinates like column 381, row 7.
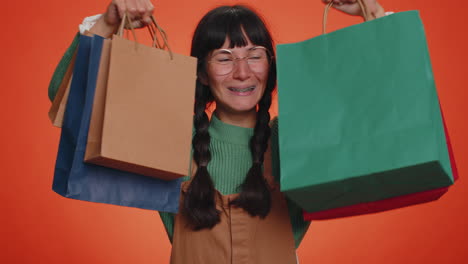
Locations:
column 351, row 7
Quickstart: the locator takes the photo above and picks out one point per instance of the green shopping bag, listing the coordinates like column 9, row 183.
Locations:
column 359, row 118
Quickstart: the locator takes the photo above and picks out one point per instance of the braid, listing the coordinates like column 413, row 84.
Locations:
column 239, row 24
column 199, row 203
column 255, row 196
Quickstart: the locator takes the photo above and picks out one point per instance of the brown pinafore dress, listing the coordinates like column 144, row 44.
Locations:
column 239, row 238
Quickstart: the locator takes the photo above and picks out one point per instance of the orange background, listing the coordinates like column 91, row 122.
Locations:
column 39, row 226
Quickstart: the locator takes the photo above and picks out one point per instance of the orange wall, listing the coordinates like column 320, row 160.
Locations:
column 39, row 226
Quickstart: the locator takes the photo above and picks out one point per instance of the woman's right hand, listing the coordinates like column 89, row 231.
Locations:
column 139, row 12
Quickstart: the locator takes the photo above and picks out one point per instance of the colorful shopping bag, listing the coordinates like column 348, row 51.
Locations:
column 145, row 115
column 359, row 117
column 61, row 70
column 390, row 203
column 57, row 109
column 78, row 180
column 93, row 146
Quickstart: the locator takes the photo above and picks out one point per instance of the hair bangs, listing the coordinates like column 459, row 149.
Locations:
column 242, row 25
column 235, row 23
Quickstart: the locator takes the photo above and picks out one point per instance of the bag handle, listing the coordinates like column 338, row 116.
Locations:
column 153, row 32
column 126, row 20
column 153, row 29
column 330, row 4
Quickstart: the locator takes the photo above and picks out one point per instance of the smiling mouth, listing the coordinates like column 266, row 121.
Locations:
column 243, row 90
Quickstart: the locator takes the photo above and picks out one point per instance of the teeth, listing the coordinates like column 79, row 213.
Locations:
column 248, row 89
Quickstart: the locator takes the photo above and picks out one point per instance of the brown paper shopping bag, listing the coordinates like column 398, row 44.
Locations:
column 57, row 109
column 142, row 117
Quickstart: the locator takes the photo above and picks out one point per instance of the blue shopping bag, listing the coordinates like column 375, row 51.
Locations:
column 73, row 178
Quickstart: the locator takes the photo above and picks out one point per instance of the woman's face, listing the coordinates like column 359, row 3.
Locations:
column 239, row 90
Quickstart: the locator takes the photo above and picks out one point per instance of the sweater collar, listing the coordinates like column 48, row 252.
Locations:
column 229, row 133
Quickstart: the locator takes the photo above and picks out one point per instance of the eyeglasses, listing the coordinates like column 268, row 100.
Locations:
column 223, row 61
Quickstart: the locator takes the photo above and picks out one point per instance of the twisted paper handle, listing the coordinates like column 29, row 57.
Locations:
column 153, row 29
column 329, row 5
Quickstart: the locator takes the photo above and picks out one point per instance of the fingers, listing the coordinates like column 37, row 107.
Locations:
column 371, row 6
column 341, row 2
column 132, row 10
column 149, row 12
column 347, row 6
column 139, row 11
column 121, row 7
column 138, row 24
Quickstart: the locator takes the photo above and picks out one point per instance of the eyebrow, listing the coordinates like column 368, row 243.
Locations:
column 230, row 51
column 224, row 51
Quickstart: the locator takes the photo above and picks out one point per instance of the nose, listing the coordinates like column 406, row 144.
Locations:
column 241, row 70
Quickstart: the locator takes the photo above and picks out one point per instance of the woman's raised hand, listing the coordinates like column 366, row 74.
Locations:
column 352, row 7
column 139, row 12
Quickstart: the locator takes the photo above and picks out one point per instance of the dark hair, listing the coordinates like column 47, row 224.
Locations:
column 210, row 34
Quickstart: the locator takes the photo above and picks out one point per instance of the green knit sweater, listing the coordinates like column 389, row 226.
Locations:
column 231, row 157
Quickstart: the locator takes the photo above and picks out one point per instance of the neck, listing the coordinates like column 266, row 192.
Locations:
column 244, row 119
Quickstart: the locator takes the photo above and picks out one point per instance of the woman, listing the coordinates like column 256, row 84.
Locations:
column 231, row 207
